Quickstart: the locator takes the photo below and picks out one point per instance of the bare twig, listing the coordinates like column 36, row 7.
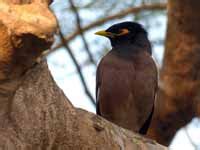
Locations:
column 118, row 15
column 78, row 68
column 78, row 22
column 190, row 139
column 88, row 5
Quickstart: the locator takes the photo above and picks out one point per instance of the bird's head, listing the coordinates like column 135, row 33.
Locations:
column 125, row 32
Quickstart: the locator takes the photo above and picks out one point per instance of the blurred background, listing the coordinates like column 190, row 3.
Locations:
column 77, row 51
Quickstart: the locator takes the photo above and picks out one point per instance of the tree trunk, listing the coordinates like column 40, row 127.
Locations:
column 41, row 117
column 34, row 113
column 178, row 97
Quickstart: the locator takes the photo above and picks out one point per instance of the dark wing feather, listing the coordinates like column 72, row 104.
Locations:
column 147, row 123
column 98, row 83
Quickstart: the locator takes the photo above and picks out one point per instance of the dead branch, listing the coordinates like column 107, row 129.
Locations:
column 78, row 22
column 78, row 68
column 121, row 14
column 195, row 146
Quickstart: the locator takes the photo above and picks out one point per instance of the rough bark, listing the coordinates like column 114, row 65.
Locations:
column 34, row 112
column 178, row 98
column 41, row 117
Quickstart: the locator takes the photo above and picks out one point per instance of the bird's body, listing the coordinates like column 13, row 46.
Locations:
column 126, row 84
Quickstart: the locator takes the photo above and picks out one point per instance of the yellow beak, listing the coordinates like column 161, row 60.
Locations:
column 104, row 33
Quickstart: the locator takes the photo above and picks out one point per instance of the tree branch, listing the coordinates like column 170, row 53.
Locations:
column 78, row 68
column 121, row 14
column 78, row 22
column 195, row 146
column 41, row 117
column 176, row 103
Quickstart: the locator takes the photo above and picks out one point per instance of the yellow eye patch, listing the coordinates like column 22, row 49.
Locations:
column 112, row 35
column 123, row 32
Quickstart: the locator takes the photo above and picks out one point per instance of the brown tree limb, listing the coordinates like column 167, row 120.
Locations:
column 78, row 23
column 17, row 28
column 121, row 14
column 41, row 117
column 178, row 97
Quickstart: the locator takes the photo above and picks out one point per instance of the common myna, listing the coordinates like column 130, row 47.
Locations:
column 126, row 79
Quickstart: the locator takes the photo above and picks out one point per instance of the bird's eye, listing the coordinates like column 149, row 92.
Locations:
column 123, row 32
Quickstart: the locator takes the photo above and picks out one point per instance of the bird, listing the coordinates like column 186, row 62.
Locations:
column 126, row 78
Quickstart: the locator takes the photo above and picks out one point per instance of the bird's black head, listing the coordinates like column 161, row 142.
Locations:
column 123, row 33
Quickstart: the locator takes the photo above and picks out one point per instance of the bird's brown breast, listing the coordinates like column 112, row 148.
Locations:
column 126, row 87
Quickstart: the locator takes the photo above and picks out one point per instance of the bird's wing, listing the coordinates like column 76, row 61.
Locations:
column 144, row 128
column 98, row 83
